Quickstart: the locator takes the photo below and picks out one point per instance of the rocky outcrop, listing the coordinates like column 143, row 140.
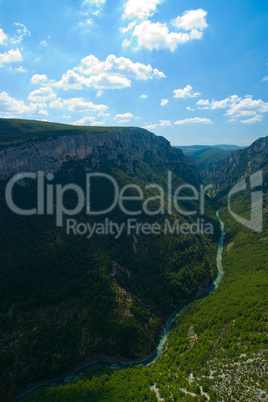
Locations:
column 123, row 147
column 238, row 165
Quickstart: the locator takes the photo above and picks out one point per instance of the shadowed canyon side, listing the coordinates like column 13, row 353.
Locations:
column 66, row 298
column 241, row 163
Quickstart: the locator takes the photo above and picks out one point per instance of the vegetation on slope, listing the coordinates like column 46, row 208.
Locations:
column 65, row 299
column 217, row 347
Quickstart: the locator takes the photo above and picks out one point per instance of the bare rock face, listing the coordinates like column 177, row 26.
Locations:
column 122, row 147
column 238, row 165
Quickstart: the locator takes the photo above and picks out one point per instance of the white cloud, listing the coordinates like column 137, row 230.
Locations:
column 157, row 36
column 120, row 66
column 94, row 2
column 190, row 109
column 203, row 104
column 192, row 19
column 43, row 43
column 247, row 107
column 126, row 43
column 113, row 73
column 95, row 6
column 38, row 78
column 265, row 78
column 144, row 96
column 255, row 119
column 98, row 123
column 20, row 33
column 186, row 92
column 77, row 105
column 193, row 120
column 140, row 9
column 10, row 56
column 129, row 27
column 99, row 94
column 11, row 107
column 164, row 102
column 3, row 37
column 88, row 121
column 150, row 126
column 238, row 108
column 104, row 114
column 164, row 123
column 124, row 118
column 72, row 80
column 42, row 94
column 20, row 69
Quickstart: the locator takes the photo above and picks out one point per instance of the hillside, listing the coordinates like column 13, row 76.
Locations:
column 241, row 163
column 65, row 298
column 217, row 349
column 206, row 156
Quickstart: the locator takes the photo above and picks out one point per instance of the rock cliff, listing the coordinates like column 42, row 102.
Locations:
column 238, row 165
column 123, row 147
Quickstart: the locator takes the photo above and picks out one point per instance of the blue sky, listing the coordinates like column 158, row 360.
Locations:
column 195, row 72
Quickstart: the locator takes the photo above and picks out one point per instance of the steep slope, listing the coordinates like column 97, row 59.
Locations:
column 240, row 164
column 66, row 298
column 218, row 347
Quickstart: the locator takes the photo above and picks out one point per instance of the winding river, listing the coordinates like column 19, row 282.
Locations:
column 152, row 359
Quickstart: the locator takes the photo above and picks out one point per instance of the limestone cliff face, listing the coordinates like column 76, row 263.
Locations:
column 122, row 147
column 238, row 165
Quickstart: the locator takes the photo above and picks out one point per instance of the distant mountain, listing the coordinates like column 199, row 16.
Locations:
column 240, row 164
column 66, row 298
column 192, row 148
column 206, row 155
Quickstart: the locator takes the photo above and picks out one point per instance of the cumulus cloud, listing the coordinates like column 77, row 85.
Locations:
column 238, row 108
column 192, row 19
column 157, row 36
column 164, row 102
column 190, row 109
column 121, row 66
column 113, row 73
column 38, row 78
column 150, row 126
column 193, row 120
column 164, row 123
column 144, row 96
column 10, row 56
column 247, row 107
column 3, row 37
column 186, row 92
column 42, row 94
column 88, row 121
column 72, row 80
column 265, row 78
column 11, row 107
column 203, row 102
column 124, row 118
column 77, row 105
column 140, row 9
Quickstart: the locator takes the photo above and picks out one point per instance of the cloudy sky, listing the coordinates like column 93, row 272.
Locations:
column 195, row 72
